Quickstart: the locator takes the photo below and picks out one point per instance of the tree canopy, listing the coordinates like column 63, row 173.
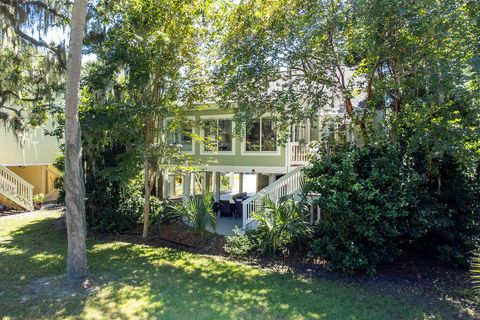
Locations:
column 33, row 62
column 295, row 57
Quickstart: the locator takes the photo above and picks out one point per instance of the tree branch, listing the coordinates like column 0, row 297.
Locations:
column 57, row 50
column 38, row 4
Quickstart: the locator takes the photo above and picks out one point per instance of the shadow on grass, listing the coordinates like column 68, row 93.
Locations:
column 145, row 282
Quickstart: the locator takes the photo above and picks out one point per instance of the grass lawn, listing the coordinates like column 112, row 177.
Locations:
column 141, row 282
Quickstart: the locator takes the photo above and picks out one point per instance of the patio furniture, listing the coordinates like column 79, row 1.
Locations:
column 238, row 208
column 216, row 208
column 226, row 209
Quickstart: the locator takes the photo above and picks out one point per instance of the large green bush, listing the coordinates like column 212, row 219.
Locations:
column 455, row 230
column 376, row 201
column 371, row 203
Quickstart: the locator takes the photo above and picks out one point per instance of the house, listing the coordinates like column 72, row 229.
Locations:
column 26, row 165
column 229, row 160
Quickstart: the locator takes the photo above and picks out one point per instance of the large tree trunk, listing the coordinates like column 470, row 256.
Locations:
column 74, row 187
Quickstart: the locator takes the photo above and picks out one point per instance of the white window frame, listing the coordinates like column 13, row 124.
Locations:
column 202, row 134
column 307, row 131
column 165, row 123
column 333, row 118
column 259, row 153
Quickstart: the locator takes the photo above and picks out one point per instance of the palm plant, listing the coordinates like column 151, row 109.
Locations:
column 198, row 212
column 280, row 226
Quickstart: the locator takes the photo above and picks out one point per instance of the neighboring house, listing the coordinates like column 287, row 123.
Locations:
column 276, row 167
column 26, row 166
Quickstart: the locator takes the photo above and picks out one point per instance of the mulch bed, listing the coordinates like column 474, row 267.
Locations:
column 175, row 235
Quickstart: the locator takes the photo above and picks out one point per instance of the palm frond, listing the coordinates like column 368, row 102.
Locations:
column 282, row 224
column 198, row 212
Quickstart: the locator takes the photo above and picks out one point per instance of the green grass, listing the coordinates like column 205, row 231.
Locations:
column 142, row 282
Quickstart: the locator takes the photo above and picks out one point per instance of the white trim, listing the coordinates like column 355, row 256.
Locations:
column 30, row 164
column 165, row 121
column 202, row 134
column 244, row 152
column 245, row 169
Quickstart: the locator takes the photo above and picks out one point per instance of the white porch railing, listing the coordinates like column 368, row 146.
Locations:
column 299, row 153
column 289, row 184
column 15, row 188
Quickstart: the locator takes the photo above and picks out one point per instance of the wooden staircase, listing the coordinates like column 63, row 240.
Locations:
column 15, row 192
column 289, row 184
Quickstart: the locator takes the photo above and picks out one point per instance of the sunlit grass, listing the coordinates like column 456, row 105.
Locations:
column 141, row 282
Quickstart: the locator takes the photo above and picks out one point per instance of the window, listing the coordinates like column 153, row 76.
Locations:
column 330, row 131
column 219, row 135
column 335, row 130
column 182, row 138
column 261, row 136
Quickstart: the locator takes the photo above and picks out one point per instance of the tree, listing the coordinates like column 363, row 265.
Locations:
column 74, row 197
column 295, row 57
column 286, row 58
column 33, row 69
column 147, row 68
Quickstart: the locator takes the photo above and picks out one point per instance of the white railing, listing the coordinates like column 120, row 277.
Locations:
column 289, row 184
column 299, row 153
column 15, row 188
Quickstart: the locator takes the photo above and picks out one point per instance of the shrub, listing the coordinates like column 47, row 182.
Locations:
column 112, row 208
column 198, row 212
column 239, row 245
column 161, row 212
column 371, row 204
column 453, row 235
column 39, row 198
column 281, row 226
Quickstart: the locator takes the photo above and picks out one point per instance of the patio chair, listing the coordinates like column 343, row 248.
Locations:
column 226, row 209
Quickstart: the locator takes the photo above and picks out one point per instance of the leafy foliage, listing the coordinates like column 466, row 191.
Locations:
column 239, row 245
column 198, row 212
column 282, row 226
column 38, row 198
column 118, row 209
column 368, row 202
column 147, row 69
column 32, row 78
column 376, row 200
column 293, row 58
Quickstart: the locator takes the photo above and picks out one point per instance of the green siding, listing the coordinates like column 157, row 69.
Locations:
column 237, row 159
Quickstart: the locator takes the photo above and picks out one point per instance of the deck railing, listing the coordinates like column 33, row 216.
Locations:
column 17, row 189
column 289, row 184
column 299, row 153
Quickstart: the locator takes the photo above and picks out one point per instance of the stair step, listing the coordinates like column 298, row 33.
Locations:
column 15, row 192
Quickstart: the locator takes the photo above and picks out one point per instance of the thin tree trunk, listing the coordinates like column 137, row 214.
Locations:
column 74, row 187
column 146, row 204
column 147, row 183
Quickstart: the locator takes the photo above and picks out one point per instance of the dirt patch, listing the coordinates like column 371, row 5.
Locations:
column 57, row 287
